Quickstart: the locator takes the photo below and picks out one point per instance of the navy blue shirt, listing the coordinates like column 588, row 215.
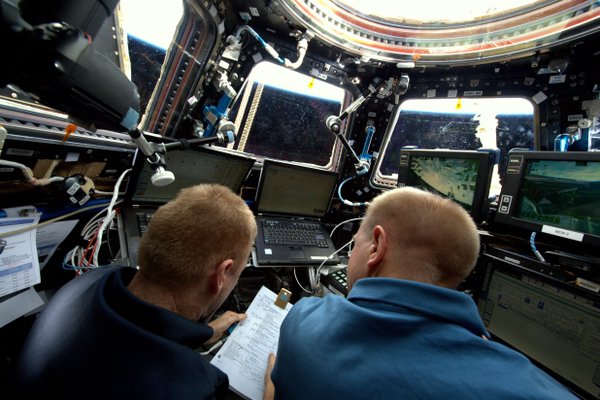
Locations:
column 95, row 340
column 397, row 339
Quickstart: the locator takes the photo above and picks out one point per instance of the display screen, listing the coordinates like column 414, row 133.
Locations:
column 192, row 168
column 554, row 325
column 295, row 190
column 564, row 194
column 453, row 178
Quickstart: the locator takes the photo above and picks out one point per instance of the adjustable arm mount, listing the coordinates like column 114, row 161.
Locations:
column 155, row 152
column 334, row 124
column 383, row 89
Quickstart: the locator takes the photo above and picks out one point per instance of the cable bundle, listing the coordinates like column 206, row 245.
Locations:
column 85, row 256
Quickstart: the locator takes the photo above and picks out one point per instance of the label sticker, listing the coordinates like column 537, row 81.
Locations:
column 19, row 152
column 268, row 252
column 539, row 97
column 588, row 285
column 73, row 189
column 72, row 157
column 512, row 260
column 256, row 57
column 574, row 117
column 565, row 233
column 557, row 79
column 505, row 202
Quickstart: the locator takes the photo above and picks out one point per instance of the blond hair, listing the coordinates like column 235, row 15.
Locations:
column 435, row 237
column 202, row 226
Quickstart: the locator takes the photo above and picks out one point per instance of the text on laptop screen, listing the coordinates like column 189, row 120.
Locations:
column 194, row 167
column 290, row 189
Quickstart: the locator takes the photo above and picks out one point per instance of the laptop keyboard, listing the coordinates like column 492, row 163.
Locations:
column 292, row 233
column 143, row 221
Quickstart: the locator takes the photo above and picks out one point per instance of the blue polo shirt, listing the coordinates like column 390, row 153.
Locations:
column 397, row 339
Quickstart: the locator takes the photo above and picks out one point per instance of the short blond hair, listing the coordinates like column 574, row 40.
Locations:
column 436, row 232
column 202, row 226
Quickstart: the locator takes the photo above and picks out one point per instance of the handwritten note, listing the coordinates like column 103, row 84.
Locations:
column 245, row 354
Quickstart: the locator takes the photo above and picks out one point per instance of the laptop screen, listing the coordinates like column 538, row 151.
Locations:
column 294, row 190
column 192, row 167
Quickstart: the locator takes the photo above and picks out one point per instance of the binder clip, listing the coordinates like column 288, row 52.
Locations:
column 283, row 297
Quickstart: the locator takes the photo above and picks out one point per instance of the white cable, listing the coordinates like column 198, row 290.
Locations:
column 537, row 254
column 320, row 267
column 314, row 273
column 109, row 216
column 92, row 224
column 25, row 169
column 312, row 280
column 29, row 174
column 103, row 193
column 302, row 47
column 50, row 221
column 269, row 49
column 91, row 227
column 318, row 270
column 298, row 282
column 47, row 181
column 348, row 202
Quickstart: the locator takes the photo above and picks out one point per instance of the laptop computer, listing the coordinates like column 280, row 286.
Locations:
column 291, row 202
column 191, row 167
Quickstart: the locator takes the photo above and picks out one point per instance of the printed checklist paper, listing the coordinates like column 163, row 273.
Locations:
column 245, row 354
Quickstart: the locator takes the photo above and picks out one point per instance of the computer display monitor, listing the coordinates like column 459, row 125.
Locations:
column 555, row 324
column 291, row 189
column 191, row 167
column 461, row 175
column 557, row 193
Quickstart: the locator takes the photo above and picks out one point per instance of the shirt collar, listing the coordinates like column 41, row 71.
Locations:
column 152, row 318
column 418, row 298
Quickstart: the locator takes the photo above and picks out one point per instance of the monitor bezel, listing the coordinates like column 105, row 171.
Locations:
column 511, row 190
column 268, row 162
column 486, row 159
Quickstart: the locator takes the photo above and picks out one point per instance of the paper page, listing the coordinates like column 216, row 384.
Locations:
column 245, row 354
column 50, row 236
column 18, row 305
column 19, row 267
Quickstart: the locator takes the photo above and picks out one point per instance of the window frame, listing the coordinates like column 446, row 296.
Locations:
column 380, row 181
column 335, row 157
